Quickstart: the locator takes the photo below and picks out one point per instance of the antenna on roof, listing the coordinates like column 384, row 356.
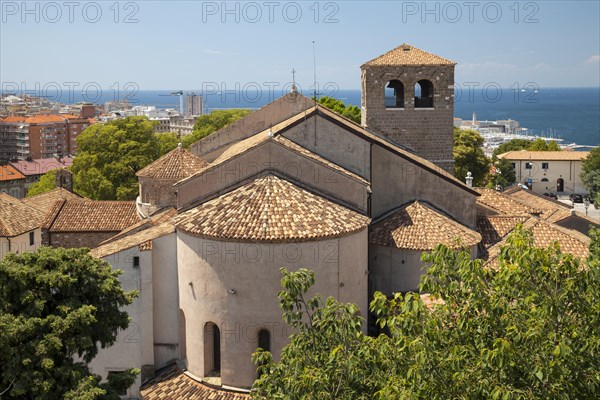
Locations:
column 315, row 72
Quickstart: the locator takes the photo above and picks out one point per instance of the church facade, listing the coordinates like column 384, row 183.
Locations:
column 291, row 185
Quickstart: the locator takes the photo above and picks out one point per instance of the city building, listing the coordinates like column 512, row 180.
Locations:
column 34, row 169
column 12, row 181
column 193, row 105
column 548, row 171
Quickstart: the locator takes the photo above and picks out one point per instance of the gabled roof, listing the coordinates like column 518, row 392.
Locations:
column 142, row 239
column 417, row 226
column 503, row 203
column 274, row 134
column 270, row 209
column 90, row 216
column 160, row 216
column 174, row 384
column 45, row 201
column 9, row 173
column 17, row 217
column 551, row 209
column 526, row 155
column 406, row 54
column 175, row 165
column 544, row 235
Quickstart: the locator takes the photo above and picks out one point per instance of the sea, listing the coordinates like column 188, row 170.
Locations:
column 571, row 114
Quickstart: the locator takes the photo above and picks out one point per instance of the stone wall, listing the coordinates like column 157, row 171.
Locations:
column 426, row 131
column 75, row 239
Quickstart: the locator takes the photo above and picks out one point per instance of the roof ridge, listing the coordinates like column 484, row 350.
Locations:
column 403, row 47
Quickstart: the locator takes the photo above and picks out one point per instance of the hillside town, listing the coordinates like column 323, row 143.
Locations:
column 292, row 184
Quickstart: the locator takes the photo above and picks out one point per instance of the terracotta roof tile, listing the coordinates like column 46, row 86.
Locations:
column 90, row 216
column 419, row 227
column 45, row 201
column 503, row 203
column 270, row 209
column 175, row 165
column 494, row 228
column 552, row 210
column 406, row 54
column 9, row 173
column 13, row 119
column 526, row 155
column 17, row 217
column 160, row 216
column 44, row 119
column 174, row 384
column 545, row 234
column 142, row 239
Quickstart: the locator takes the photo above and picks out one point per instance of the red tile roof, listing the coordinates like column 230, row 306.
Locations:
column 41, row 166
column 17, row 217
column 9, row 173
column 406, row 54
column 175, row 165
column 45, row 201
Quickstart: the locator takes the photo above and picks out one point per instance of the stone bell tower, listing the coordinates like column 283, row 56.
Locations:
column 408, row 97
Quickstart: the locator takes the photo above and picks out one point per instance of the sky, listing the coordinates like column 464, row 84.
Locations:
column 195, row 45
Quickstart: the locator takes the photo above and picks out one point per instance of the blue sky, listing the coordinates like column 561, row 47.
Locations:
column 191, row 44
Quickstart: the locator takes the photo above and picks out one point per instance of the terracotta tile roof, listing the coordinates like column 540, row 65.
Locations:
column 45, row 201
column 142, row 239
column 44, row 119
column 41, row 166
column 270, row 209
column 526, row 155
column 545, row 234
column 175, row 165
column 13, row 119
column 162, row 215
column 174, row 384
column 419, row 227
column 503, row 203
column 550, row 208
column 494, row 228
column 90, row 216
column 17, row 217
column 9, row 173
column 406, row 54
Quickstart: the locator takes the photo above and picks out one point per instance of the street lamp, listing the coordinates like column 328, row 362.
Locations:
column 586, row 204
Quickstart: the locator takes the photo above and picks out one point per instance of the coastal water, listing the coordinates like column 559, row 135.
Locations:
column 572, row 114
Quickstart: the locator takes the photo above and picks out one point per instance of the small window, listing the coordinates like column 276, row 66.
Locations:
column 31, row 238
column 544, row 165
column 528, row 165
column 544, row 179
column 264, row 340
column 136, row 261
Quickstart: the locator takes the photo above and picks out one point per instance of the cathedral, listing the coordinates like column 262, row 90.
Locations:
column 291, row 185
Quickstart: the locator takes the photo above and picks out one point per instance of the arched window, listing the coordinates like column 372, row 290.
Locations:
column 394, row 94
column 424, row 94
column 544, row 179
column 212, row 350
column 264, row 340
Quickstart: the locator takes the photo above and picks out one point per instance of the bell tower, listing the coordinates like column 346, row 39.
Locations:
column 408, row 97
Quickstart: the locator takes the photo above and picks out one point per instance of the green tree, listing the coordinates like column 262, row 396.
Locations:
column 469, row 156
column 209, row 123
column 590, row 175
column 505, row 174
column 512, row 145
column 109, row 156
column 46, row 183
column 524, row 329
column 349, row 111
column 166, row 142
column 57, row 306
column 540, row 144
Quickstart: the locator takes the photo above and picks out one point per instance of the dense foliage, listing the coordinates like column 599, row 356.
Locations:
column 590, row 175
column 209, row 123
column 46, row 183
column 109, row 156
column 469, row 157
column 525, row 329
column 525, row 144
column 57, row 306
column 349, row 111
column 505, row 174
